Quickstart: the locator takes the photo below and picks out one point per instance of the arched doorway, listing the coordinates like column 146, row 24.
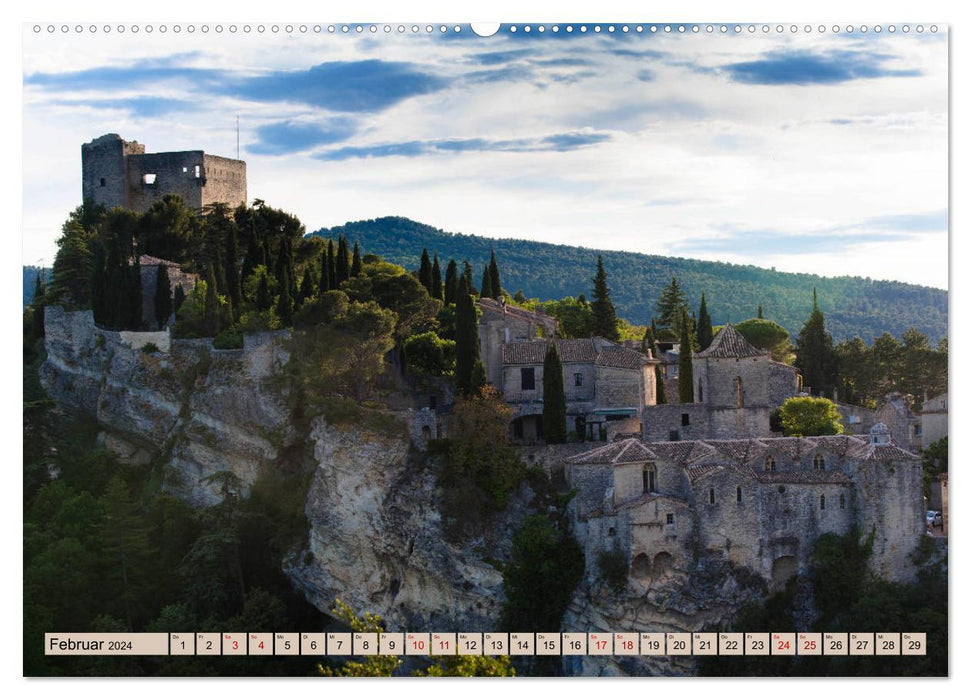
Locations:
column 783, row 569
column 663, row 563
column 641, row 567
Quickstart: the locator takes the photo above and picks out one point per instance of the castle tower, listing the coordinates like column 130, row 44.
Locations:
column 119, row 173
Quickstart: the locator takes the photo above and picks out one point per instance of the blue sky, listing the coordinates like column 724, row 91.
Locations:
column 806, row 152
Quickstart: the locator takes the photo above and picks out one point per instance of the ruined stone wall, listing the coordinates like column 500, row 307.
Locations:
column 225, row 181
column 103, row 166
column 174, row 173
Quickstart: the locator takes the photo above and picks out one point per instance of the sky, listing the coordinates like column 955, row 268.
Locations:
column 807, row 152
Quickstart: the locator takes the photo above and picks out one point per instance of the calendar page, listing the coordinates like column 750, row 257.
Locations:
column 520, row 349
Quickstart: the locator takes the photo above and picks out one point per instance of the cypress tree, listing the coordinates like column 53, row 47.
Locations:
column 451, row 282
column 496, row 284
column 163, row 297
column 469, row 284
column 436, row 279
column 343, row 261
column 686, row 383
column 466, row 340
column 233, row 287
column 98, row 297
column 356, row 261
column 604, row 313
column 334, row 280
column 759, row 312
column 486, row 290
column 178, row 298
column 425, row 271
column 284, row 304
column 211, row 303
column 323, row 284
column 306, row 287
column 659, row 380
column 554, row 397
column 263, row 298
column 705, row 332
column 815, row 355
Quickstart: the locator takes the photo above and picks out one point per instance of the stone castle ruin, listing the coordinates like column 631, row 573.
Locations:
column 119, row 173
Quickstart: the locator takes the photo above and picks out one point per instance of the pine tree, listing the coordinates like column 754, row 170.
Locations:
column 425, row 271
column 686, row 384
column 306, row 287
column 356, row 261
column 451, row 282
column 163, row 297
column 466, row 340
column 98, row 292
column 496, row 283
column 343, row 261
column 669, row 306
column 124, row 539
column 486, row 290
column 72, row 274
column 759, row 312
column 554, row 397
column 815, row 355
column 284, row 304
column 254, row 253
column 436, row 279
column 231, row 265
column 604, row 313
column 705, row 332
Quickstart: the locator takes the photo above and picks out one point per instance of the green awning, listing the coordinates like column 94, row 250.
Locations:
column 615, row 411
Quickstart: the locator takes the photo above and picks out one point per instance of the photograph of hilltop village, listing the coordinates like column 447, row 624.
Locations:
column 232, row 422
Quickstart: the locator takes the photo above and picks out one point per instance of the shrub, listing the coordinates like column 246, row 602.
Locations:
column 149, row 348
column 613, row 568
column 229, row 339
column 428, row 354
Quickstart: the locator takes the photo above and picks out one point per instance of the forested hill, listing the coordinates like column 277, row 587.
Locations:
column 852, row 305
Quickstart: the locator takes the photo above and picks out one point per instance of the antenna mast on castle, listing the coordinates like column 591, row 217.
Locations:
column 237, row 137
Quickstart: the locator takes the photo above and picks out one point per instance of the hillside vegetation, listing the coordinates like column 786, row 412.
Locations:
column 854, row 306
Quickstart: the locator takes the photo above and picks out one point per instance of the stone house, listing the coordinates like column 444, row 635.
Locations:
column 933, row 420
column 759, row 502
column 605, row 383
column 501, row 323
column 736, row 388
column 904, row 424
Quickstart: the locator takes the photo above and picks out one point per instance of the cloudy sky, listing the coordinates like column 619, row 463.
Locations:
column 810, row 152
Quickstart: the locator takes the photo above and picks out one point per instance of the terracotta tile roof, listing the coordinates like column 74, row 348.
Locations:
column 839, row 444
column 625, row 358
column 628, row 451
column 730, row 343
column 795, row 448
column 886, row 452
column 703, row 470
column 494, row 306
column 681, row 452
column 803, row 476
column 740, row 451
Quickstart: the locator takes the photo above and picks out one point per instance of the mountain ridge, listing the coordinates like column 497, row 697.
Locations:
column 852, row 305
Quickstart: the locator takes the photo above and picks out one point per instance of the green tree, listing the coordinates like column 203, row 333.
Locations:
column 343, row 261
column 670, row 305
column 686, row 384
column 168, row 229
column 767, row 335
column 815, row 356
column 356, row 261
column 163, row 297
column 554, row 397
column 574, row 317
column 495, row 283
column 436, row 279
column 371, row 665
column 335, row 281
column 758, row 314
column 425, row 271
column 855, row 371
column 263, row 298
column 604, row 313
column 127, row 553
column 466, row 340
column 323, row 285
column 72, row 275
column 803, row 416
column 429, row 354
column 659, row 381
column 451, row 289
column 469, row 282
column 284, row 303
column 545, row 567
column 705, row 332
column 306, row 291
column 486, row 287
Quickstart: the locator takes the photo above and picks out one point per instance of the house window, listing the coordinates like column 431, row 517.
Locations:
column 711, row 496
column 670, row 518
column 769, row 463
column 528, row 379
column 685, row 419
column 198, row 171
column 822, row 502
column 611, row 532
column 842, row 501
column 578, row 379
column 650, row 479
column 103, row 182
column 819, row 462
column 738, row 494
column 673, row 436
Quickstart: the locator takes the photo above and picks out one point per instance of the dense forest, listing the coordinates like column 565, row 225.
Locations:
column 854, row 306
